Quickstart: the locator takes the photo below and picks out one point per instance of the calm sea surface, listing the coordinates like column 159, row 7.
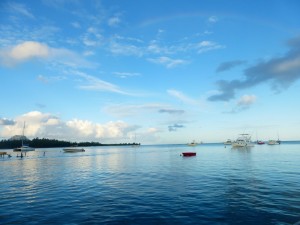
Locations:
column 152, row 185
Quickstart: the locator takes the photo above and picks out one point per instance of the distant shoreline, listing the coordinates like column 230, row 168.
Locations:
column 53, row 143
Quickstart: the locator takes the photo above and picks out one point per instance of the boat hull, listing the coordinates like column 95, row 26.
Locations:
column 188, row 154
column 23, row 149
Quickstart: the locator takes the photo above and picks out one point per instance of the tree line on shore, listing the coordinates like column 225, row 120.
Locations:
column 52, row 143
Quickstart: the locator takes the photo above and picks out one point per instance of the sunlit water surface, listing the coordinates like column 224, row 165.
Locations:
column 152, row 185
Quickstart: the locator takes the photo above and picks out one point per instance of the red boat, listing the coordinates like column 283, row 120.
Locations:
column 260, row 142
column 189, row 154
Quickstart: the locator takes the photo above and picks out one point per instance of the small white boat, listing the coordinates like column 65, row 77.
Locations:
column 73, row 149
column 228, row 142
column 24, row 148
column 193, row 143
column 244, row 140
column 273, row 142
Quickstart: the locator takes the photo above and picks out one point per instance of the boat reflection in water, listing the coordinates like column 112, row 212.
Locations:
column 73, row 149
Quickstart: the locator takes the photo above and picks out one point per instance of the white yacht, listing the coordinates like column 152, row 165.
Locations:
column 244, row 140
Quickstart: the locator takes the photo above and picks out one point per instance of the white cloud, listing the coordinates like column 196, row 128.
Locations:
column 205, row 46
column 118, row 48
column 182, row 97
column 76, row 25
column 20, row 9
column 246, row 100
column 168, row 62
column 48, row 79
column 126, row 74
column 96, row 84
column 29, row 50
column 213, row 19
column 114, row 21
column 45, row 125
column 244, row 103
column 127, row 110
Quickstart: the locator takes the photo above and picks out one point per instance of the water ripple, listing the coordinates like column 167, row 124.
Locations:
column 152, row 185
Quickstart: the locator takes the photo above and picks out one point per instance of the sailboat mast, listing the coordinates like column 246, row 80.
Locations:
column 23, row 134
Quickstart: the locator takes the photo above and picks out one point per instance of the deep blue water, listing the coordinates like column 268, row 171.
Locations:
column 153, row 185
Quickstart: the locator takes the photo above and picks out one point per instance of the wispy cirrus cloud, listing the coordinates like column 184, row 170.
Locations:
column 213, row 19
column 20, row 9
column 126, row 74
column 168, row 62
column 114, row 21
column 93, row 83
column 129, row 110
column 48, row 79
column 172, row 111
column 229, row 65
column 281, row 72
column 174, row 127
column 182, row 97
column 205, row 46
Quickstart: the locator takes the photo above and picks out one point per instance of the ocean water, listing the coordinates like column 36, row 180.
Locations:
column 152, row 185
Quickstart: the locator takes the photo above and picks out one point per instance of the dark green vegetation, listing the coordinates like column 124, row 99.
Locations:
column 52, row 143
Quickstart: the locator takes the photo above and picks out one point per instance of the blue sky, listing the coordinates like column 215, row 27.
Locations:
column 150, row 71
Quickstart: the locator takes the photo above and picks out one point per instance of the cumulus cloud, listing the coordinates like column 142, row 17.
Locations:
column 229, row 65
column 25, row 51
column 29, row 50
column 45, row 125
column 6, row 122
column 281, row 72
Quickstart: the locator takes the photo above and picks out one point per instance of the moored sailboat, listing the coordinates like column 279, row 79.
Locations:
column 24, row 147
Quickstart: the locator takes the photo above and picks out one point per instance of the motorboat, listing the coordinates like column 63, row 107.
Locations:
column 73, row 149
column 228, row 142
column 260, row 142
column 244, row 140
column 193, row 143
column 188, row 154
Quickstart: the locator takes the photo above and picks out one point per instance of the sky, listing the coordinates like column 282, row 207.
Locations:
column 153, row 72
